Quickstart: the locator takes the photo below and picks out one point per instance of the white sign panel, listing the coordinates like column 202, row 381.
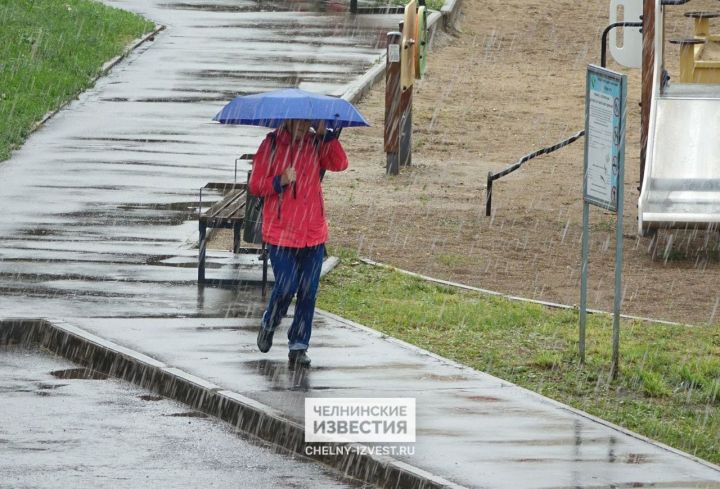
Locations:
column 604, row 136
column 626, row 49
column 394, row 53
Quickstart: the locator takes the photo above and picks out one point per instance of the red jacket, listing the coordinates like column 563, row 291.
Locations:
column 294, row 215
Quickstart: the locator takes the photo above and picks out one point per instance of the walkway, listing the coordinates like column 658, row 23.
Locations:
column 472, row 429
column 98, row 229
column 99, row 205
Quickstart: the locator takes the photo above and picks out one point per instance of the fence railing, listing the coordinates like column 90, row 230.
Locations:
column 517, row 165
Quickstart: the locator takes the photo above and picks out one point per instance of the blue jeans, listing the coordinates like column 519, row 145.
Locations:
column 297, row 271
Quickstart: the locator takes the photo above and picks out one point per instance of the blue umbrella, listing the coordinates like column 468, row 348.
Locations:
column 271, row 109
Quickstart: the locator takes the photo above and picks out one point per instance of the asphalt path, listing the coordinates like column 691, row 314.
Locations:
column 89, row 431
column 99, row 206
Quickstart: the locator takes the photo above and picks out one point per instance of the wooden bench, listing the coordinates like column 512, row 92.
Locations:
column 228, row 213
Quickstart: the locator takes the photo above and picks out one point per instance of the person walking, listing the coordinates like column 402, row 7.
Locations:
column 286, row 173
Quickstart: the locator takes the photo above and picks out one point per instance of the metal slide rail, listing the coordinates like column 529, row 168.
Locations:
column 603, row 53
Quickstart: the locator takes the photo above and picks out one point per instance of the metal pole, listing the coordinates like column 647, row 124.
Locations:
column 583, row 279
column 488, row 195
column 353, row 6
column 392, row 103
column 615, row 368
column 603, row 42
column 201, row 253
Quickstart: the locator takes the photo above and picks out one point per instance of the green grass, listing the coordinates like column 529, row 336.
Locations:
column 50, row 50
column 435, row 4
column 669, row 383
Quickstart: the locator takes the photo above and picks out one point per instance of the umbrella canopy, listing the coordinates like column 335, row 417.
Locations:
column 271, row 109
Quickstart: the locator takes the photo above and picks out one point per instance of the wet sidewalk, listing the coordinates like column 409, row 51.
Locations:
column 85, row 430
column 472, row 429
column 98, row 228
column 100, row 205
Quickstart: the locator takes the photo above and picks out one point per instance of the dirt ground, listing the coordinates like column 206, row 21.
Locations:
column 508, row 82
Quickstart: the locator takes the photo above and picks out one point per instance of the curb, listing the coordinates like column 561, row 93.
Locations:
column 249, row 416
column 106, row 67
column 359, row 88
column 450, row 11
column 466, row 369
column 329, row 265
column 515, row 298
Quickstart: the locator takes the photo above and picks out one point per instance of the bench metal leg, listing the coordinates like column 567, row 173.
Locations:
column 201, row 255
column 237, row 227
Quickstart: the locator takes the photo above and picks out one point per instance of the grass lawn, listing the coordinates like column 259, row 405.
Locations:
column 669, row 383
column 50, row 51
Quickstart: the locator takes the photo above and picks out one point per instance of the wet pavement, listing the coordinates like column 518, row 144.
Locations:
column 99, row 206
column 94, row 432
column 98, row 227
column 472, row 429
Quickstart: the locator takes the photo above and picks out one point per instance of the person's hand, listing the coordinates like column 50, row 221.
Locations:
column 288, row 176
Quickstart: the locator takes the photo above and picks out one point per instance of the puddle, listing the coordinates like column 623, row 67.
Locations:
column 484, row 398
column 139, row 140
column 180, row 100
column 189, row 414
column 147, row 397
column 44, row 386
column 208, row 7
column 438, row 432
column 636, row 458
column 250, row 327
column 293, row 6
column 39, row 232
column 444, row 378
column 469, row 411
column 79, row 373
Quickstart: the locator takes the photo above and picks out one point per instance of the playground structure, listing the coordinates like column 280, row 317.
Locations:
column 406, row 61
column 680, row 147
column 680, row 185
column 696, row 54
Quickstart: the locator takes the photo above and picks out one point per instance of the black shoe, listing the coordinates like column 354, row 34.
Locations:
column 298, row 358
column 264, row 339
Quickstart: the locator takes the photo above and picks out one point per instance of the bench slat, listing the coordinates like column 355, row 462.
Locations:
column 231, row 202
column 231, row 210
column 224, row 186
column 228, row 212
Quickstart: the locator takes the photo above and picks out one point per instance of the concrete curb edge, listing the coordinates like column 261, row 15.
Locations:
column 450, row 11
column 553, row 305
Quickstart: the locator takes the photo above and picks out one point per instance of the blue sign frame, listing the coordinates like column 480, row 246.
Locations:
column 605, row 118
